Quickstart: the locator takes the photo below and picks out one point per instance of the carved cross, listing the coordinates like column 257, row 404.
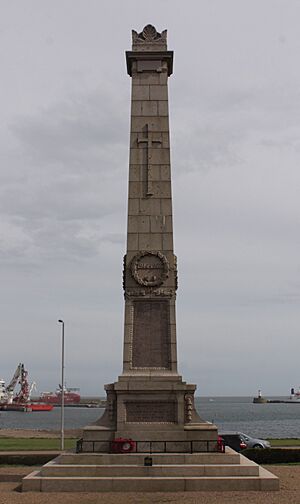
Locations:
column 150, row 142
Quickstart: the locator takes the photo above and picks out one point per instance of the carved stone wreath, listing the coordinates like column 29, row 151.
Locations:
column 150, row 268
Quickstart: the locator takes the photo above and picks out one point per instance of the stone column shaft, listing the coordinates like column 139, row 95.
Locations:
column 149, row 264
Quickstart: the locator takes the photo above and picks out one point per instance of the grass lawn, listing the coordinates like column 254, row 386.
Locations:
column 284, row 442
column 14, row 444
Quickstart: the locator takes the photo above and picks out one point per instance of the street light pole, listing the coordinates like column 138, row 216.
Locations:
column 62, row 413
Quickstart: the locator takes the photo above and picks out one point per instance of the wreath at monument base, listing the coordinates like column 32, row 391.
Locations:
column 123, row 445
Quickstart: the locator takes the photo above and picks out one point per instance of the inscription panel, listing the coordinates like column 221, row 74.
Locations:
column 151, row 412
column 151, row 334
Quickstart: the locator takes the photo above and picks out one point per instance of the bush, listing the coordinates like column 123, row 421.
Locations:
column 273, row 455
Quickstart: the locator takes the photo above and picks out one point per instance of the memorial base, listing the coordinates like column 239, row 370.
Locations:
column 156, row 412
column 100, row 472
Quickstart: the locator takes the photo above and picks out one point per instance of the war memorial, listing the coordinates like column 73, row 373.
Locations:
column 150, row 437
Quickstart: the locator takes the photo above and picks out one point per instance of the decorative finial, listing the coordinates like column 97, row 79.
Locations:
column 149, row 36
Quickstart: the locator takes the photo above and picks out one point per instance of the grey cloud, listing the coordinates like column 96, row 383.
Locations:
column 63, row 198
column 81, row 134
column 218, row 122
column 207, row 147
column 234, row 117
column 62, row 182
column 15, row 243
column 53, row 240
column 118, row 238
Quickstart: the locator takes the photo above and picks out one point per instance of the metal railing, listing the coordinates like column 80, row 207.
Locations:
column 149, row 447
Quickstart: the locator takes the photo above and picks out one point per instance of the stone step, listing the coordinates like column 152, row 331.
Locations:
column 230, row 457
column 265, row 482
column 65, row 471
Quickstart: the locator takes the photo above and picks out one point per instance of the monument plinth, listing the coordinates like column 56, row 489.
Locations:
column 150, row 403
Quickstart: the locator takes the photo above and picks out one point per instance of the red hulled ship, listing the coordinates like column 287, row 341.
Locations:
column 71, row 396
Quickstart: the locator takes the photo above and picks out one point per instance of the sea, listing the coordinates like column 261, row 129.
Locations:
column 271, row 420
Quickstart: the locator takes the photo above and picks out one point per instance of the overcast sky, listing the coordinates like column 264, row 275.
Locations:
column 235, row 149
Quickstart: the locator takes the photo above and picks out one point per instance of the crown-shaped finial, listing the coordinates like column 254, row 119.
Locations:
column 149, row 37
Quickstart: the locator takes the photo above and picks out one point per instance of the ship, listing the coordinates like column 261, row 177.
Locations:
column 26, row 407
column 71, row 396
column 20, row 401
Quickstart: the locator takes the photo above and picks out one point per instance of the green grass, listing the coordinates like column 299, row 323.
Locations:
column 291, row 463
column 284, row 442
column 27, row 444
column 14, row 444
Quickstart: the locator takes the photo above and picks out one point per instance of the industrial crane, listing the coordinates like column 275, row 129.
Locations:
column 20, row 376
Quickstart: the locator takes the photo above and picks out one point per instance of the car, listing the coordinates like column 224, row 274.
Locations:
column 239, row 441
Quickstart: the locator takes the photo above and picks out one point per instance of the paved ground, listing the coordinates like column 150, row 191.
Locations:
column 288, row 494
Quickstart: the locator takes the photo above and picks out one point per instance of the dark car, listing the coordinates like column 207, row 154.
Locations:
column 239, row 441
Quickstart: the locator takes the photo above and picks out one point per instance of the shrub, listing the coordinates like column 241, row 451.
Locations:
column 27, row 459
column 273, row 455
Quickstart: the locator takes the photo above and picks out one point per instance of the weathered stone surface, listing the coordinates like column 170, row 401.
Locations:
column 166, row 206
column 149, row 66
column 159, row 123
column 138, row 224
column 150, row 206
column 161, row 189
column 167, row 243
column 151, row 412
column 140, row 92
column 165, row 172
column 158, row 92
column 132, row 241
column 133, row 206
column 135, row 175
column 149, row 108
column 163, row 109
column 148, row 78
column 160, row 156
column 160, row 224
column 166, row 139
column 151, row 334
column 154, row 173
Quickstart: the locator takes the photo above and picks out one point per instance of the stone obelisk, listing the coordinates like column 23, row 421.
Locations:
column 150, row 403
column 150, row 410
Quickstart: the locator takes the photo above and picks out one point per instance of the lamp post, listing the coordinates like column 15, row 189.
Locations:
column 62, row 413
